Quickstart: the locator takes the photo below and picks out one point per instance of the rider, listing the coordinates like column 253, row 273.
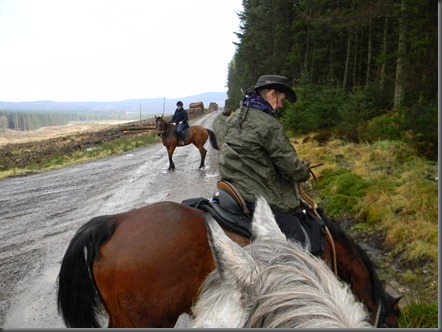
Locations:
column 180, row 118
column 258, row 158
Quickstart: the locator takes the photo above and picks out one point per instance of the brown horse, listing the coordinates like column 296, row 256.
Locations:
column 146, row 266
column 197, row 135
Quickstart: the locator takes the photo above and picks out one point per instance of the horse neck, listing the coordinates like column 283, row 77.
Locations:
column 356, row 268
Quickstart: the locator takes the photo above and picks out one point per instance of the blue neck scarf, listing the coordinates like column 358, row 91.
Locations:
column 256, row 101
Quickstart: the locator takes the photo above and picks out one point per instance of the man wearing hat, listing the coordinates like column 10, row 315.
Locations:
column 258, row 158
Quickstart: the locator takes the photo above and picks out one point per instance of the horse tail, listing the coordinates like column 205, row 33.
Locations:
column 213, row 140
column 79, row 301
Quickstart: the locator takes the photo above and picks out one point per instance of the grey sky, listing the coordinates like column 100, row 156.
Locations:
column 104, row 50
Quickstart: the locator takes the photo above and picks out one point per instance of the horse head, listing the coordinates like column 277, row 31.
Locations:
column 161, row 125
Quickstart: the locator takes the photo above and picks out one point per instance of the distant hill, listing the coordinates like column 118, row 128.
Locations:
column 148, row 106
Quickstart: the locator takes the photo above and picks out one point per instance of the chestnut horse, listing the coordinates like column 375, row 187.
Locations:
column 145, row 267
column 197, row 135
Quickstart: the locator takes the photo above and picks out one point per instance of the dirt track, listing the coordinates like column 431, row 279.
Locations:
column 40, row 214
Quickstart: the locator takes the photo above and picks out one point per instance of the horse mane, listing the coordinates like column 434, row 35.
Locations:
column 338, row 233
column 301, row 290
column 292, row 289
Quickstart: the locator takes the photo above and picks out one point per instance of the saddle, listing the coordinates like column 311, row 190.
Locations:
column 229, row 209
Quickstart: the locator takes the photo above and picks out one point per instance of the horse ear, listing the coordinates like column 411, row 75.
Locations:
column 233, row 263
column 264, row 225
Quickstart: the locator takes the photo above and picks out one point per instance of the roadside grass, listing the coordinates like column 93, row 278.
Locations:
column 391, row 193
column 419, row 315
column 383, row 185
column 109, row 148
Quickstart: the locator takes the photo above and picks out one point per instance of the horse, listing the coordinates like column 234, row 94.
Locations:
column 197, row 135
column 272, row 283
column 144, row 267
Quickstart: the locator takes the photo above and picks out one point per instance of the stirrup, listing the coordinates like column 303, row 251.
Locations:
column 227, row 186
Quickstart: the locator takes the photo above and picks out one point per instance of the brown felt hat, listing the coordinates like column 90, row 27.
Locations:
column 279, row 83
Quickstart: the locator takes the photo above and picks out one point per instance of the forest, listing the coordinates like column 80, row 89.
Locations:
column 363, row 70
column 32, row 120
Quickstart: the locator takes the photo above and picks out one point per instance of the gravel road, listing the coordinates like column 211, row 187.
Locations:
column 39, row 214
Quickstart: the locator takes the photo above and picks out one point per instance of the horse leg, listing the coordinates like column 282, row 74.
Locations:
column 203, row 153
column 170, row 151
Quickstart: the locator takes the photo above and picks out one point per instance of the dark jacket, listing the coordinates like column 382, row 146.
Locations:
column 180, row 115
column 259, row 159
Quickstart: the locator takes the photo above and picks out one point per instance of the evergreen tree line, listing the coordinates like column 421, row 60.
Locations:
column 363, row 70
column 23, row 121
column 31, row 120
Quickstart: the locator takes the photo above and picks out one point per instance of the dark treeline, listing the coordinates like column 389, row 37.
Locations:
column 363, row 70
column 33, row 120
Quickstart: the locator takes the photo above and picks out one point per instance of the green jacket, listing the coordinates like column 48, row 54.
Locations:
column 259, row 159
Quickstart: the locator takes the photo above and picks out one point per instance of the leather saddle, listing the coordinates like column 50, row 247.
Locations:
column 229, row 209
column 185, row 133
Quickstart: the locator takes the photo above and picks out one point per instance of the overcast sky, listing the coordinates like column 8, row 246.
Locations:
column 106, row 50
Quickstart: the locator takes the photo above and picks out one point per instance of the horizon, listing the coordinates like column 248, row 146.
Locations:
column 152, row 105
column 111, row 101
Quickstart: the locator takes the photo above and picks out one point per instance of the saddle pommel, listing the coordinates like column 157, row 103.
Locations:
column 227, row 186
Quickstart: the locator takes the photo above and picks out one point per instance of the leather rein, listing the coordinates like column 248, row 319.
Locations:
column 311, row 204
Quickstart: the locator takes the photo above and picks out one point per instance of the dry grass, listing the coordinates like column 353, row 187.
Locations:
column 402, row 194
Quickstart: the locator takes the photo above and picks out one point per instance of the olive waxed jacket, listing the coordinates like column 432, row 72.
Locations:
column 258, row 159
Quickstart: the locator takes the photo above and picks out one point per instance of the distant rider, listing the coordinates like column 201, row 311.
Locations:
column 180, row 118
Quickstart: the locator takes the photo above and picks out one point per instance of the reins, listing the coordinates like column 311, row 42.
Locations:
column 311, row 204
column 378, row 314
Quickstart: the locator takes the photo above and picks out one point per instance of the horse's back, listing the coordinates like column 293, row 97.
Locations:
column 197, row 131
column 143, row 270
